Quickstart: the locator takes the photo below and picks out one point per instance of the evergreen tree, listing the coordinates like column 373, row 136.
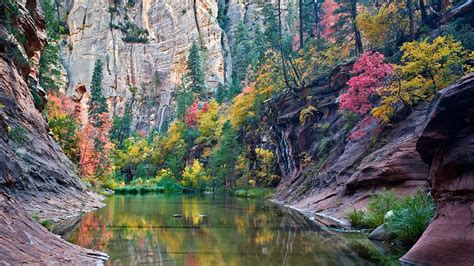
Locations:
column 240, row 52
column 258, row 47
column 221, row 94
column 270, row 20
column 195, row 72
column 50, row 62
column 183, row 97
column 97, row 102
column 121, row 127
column 224, row 157
column 346, row 26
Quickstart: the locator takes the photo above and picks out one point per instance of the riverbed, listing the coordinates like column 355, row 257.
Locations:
column 161, row 229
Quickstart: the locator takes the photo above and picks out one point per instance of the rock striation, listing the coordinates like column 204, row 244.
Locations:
column 144, row 46
column 36, row 178
column 447, row 145
column 323, row 170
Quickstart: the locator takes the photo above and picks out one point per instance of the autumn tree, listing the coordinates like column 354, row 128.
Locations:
column 426, row 68
column 64, row 124
column 208, row 123
column 386, row 26
column 370, row 74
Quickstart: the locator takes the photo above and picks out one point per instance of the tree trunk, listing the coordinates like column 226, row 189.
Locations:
column 283, row 63
column 316, row 19
column 301, row 24
column 411, row 19
column 357, row 35
column 424, row 15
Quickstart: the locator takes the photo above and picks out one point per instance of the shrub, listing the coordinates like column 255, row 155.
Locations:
column 240, row 193
column 355, row 217
column 411, row 219
column 194, row 176
column 378, row 206
column 113, row 184
column 17, row 134
column 258, row 193
column 169, row 185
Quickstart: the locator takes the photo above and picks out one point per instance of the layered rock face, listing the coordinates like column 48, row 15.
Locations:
column 150, row 68
column 447, row 144
column 325, row 171
column 36, row 178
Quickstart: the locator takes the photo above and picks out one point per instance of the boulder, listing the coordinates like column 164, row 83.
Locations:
column 382, row 233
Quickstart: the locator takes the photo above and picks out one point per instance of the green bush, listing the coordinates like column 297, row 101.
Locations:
column 169, row 185
column 378, row 206
column 259, row 193
column 18, row 135
column 48, row 224
column 355, row 217
column 240, row 193
column 411, row 219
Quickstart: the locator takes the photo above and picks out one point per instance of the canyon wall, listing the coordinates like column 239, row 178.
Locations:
column 36, row 178
column 327, row 172
column 151, row 67
column 447, row 144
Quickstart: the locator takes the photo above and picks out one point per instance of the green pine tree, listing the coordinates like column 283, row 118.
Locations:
column 195, row 72
column 240, row 53
column 258, row 48
column 221, row 94
column 121, row 127
column 183, row 97
column 224, row 157
column 50, row 62
column 97, row 101
column 346, row 26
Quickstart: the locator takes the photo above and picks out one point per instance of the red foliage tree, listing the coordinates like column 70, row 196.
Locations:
column 371, row 72
column 192, row 112
column 95, row 148
column 329, row 19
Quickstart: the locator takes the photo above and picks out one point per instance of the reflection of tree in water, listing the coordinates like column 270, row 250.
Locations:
column 212, row 231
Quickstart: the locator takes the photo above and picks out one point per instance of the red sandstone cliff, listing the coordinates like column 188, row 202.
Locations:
column 36, row 178
column 447, row 144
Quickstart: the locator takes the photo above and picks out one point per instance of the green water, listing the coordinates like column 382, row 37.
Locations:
column 214, row 230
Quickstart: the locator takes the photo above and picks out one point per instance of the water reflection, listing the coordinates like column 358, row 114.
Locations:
column 213, row 230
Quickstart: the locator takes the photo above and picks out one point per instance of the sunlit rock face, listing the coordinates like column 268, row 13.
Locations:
column 151, row 69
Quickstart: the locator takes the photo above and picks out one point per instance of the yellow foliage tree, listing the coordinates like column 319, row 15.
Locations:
column 427, row 67
column 194, row 176
column 384, row 25
column 243, row 107
column 208, row 124
column 266, row 161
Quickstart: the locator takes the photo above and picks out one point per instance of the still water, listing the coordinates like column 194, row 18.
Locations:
column 215, row 230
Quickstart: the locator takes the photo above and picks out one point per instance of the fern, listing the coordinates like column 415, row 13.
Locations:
column 306, row 113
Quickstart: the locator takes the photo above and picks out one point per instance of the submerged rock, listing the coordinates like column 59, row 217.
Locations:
column 382, row 233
